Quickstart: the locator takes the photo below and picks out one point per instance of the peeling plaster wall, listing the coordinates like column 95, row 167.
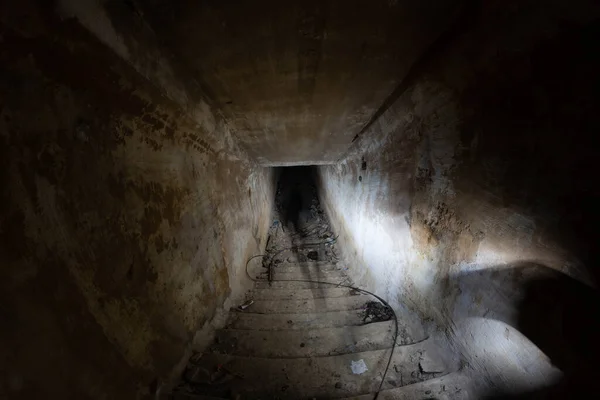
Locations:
column 471, row 199
column 127, row 213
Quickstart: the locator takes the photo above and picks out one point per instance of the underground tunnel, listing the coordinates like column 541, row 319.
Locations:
column 308, row 199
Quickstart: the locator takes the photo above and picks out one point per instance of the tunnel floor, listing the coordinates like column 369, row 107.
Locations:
column 305, row 332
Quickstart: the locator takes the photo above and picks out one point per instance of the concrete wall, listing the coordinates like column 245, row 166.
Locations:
column 297, row 79
column 127, row 213
column 470, row 200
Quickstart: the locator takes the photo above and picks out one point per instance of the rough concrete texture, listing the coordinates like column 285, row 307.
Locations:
column 126, row 213
column 298, row 79
column 470, row 199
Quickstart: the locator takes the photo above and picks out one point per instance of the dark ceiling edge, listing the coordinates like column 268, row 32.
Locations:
column 466, row 17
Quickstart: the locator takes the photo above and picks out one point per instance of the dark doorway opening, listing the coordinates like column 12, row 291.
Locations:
column 297, row 201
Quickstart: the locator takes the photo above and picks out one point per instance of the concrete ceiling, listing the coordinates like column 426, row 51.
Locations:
column 297, row 80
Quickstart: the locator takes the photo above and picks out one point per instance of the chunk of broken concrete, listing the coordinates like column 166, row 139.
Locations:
column 358, row 367
column 431, row 365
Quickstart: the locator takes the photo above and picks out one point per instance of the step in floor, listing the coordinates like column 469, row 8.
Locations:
column 279, row 284
column 309, row 343
column 321, row 377
column 295, row 321
column 323, row 293
column 279, row 306
column 453, row 386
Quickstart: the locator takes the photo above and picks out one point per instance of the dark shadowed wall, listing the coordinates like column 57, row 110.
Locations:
column 126, row 214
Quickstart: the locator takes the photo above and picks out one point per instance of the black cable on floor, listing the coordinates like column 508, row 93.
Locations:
column 385, row 303
column 247, row 262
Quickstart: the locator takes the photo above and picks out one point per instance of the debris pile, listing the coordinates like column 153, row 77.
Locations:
column 374, row 311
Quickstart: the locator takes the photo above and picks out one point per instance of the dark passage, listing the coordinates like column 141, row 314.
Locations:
column 300, row 224
column 296, row 199
column 197, row 196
